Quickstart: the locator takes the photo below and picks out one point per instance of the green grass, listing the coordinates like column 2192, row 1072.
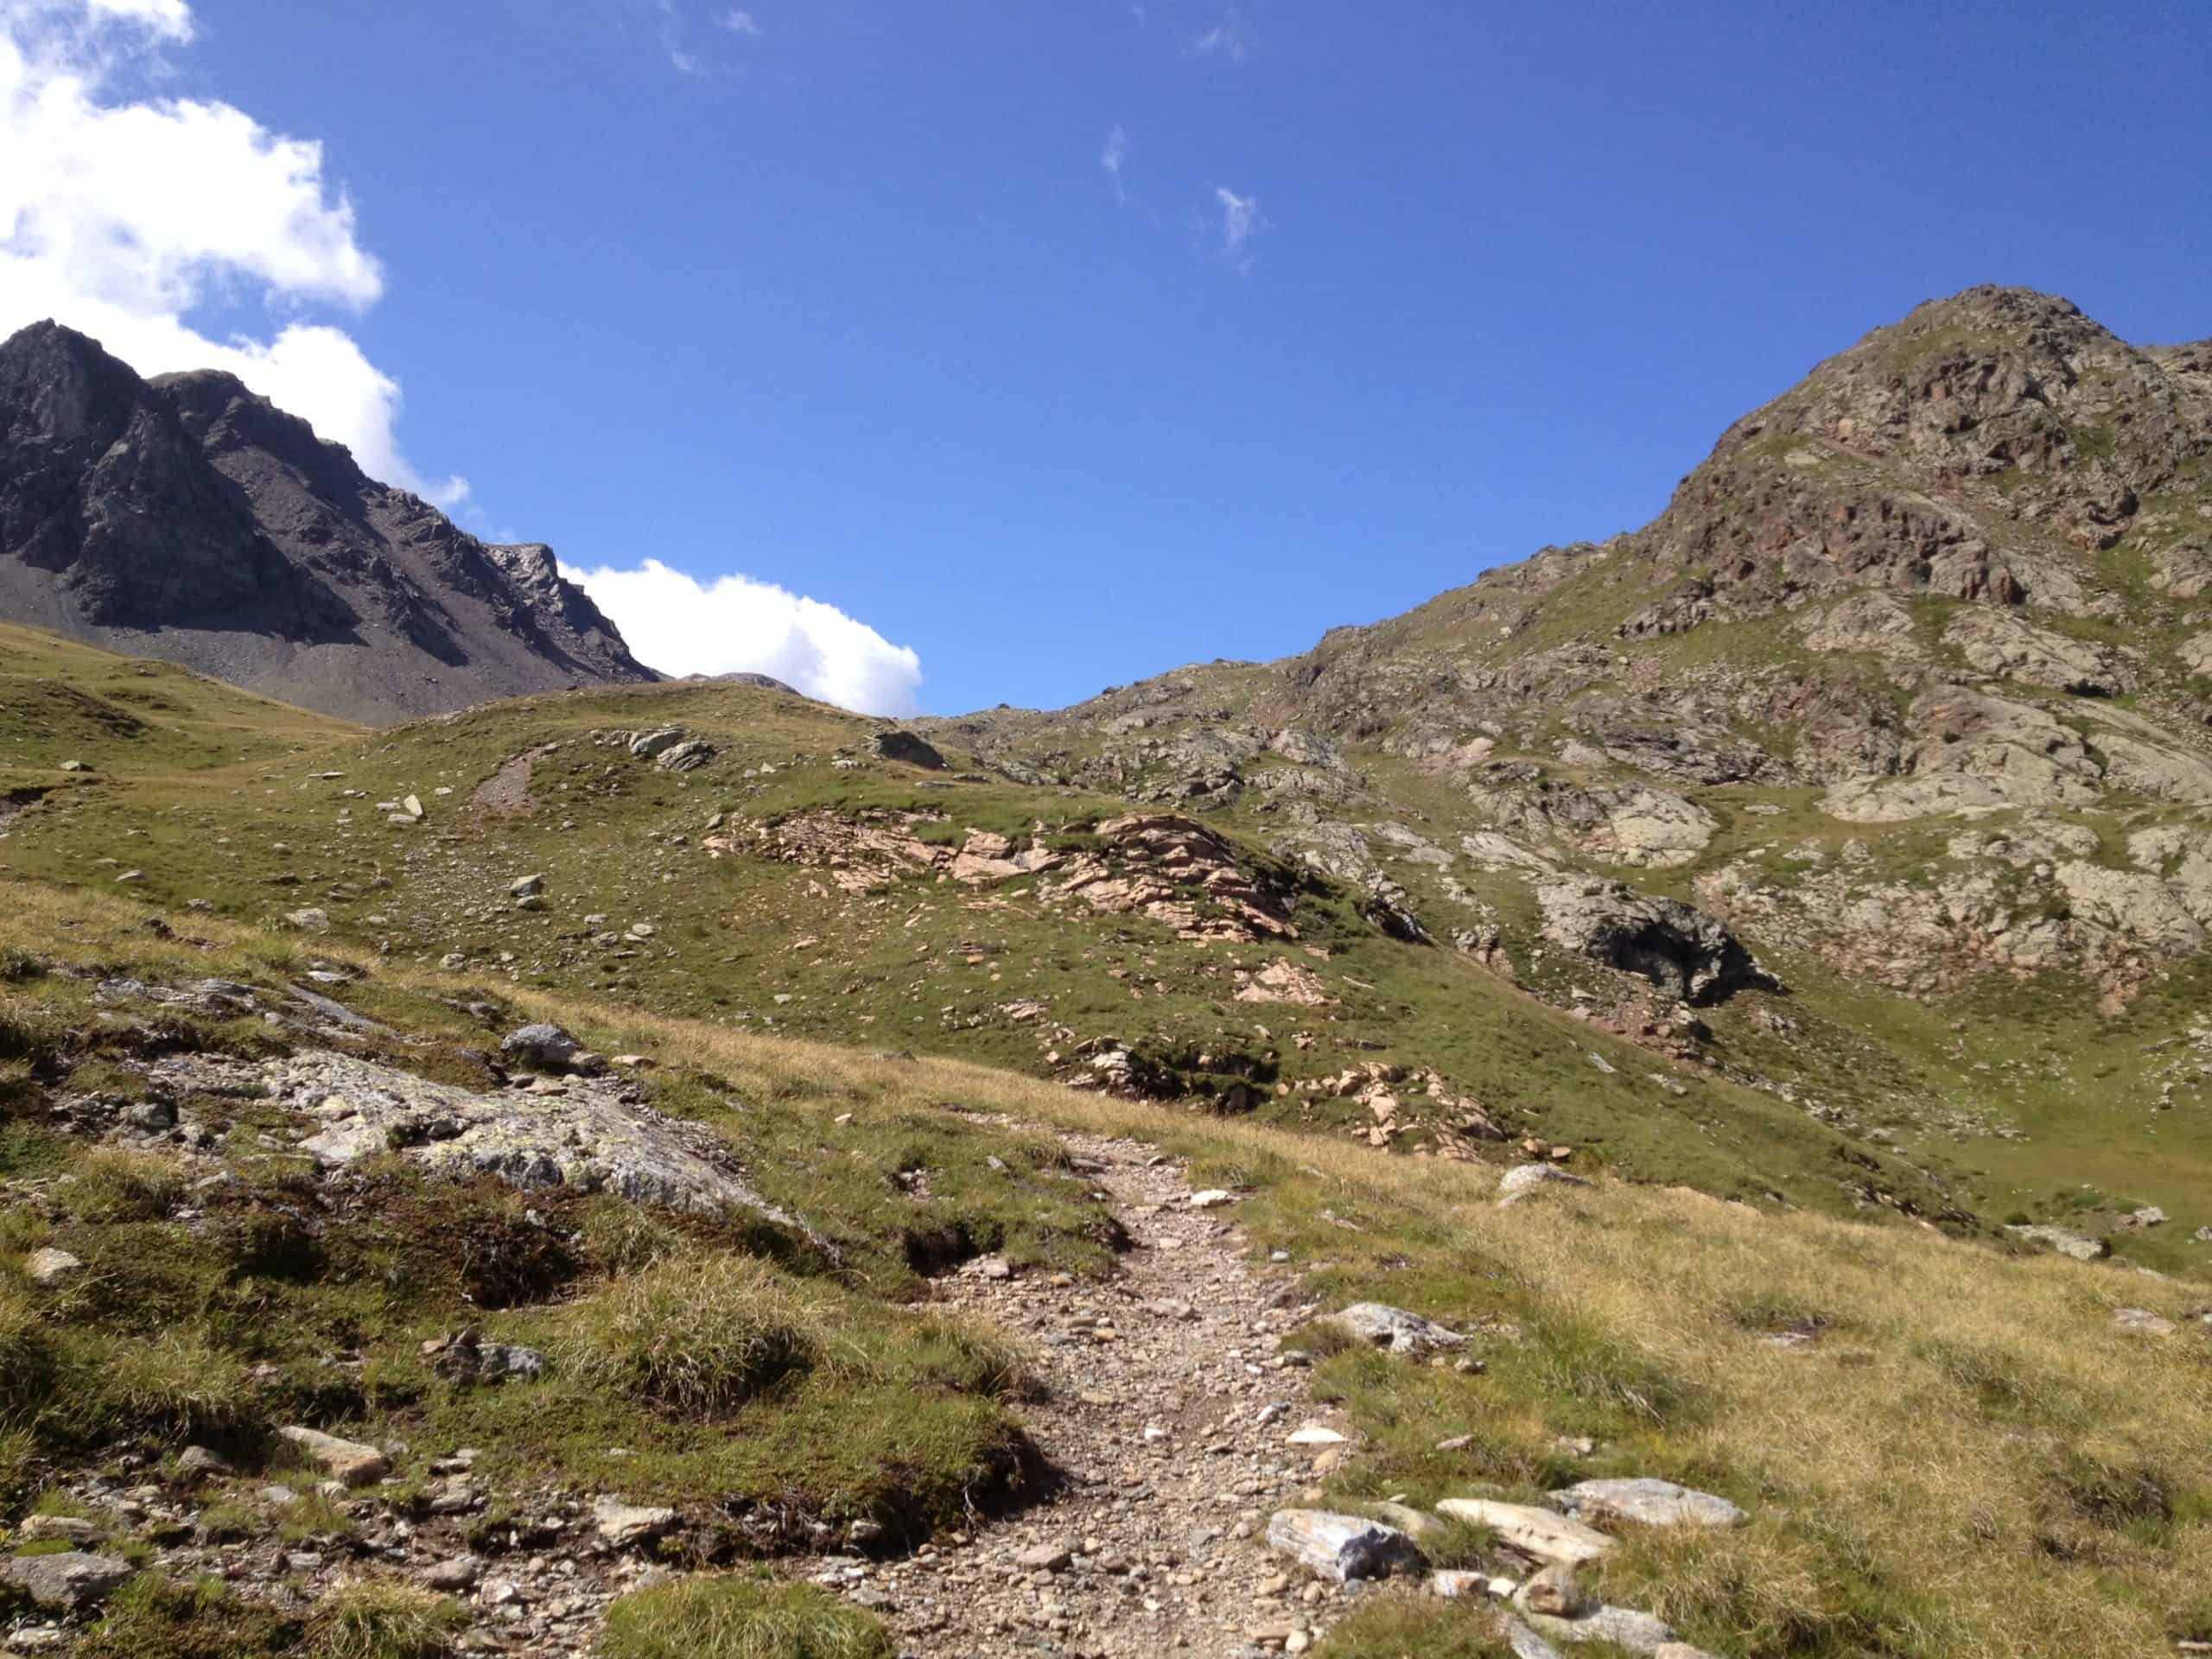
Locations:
column 734, row 1616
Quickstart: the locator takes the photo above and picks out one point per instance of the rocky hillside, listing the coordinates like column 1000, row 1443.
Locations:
column 187, row 519
column 1912, row 671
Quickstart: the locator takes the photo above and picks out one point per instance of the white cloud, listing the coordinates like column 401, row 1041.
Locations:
column 739, row 22
column 1230, row 38
column 1116, row 152
column 735, row 624
column 171, row 19
column 123, row 219
column 1241, row 221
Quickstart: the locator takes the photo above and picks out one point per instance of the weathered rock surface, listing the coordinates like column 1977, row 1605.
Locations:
column 624, row 1525
column 1383, row 1326
column 1542, row 1534
column 1684, row 952
column 67, row 1581
column 1646, row 1501
column 1341, row 1546
column 346, row 1461
column 586, row 1136
column 1523, row 1178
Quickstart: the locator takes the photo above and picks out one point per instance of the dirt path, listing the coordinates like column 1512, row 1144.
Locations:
column 1170, row 1416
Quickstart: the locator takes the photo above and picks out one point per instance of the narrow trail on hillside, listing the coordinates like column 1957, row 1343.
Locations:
column 1169, row 1420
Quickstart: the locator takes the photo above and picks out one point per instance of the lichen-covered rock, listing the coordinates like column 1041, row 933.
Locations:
column 585, row 1136
column 1383, row 1326
column 1647, row 1501
column 543, row 1043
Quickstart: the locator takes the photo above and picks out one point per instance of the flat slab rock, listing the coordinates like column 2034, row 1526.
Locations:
column 1540, row 1534
column 1339, row 1547
column 1646, row 1501
column 1395, row 1329
column 67, row 1580
column 348, row 1461
column 585, row 1136
column 1624, row 1627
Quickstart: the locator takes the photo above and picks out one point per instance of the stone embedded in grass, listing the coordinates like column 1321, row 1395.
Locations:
column 48, row 1266
column 2144, row 1321
column 1519, row 1181
column 1623, row 1627
column 1647, row 1502
column 1394, row 1328
column 1556, row 1593
column 67, row 1581
column 1212, row 1198
column 198, row 1463
column 310, row 920
column 2078, row 1245
column 1340, row 1547
column 346, row 1460
column 646, row 745
column 528, row 887
column 1539, row 1534
column 624, row 1525
column 1316, row 1434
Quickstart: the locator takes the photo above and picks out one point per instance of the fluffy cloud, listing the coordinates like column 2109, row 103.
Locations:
column 124, row 218
column 737, row 624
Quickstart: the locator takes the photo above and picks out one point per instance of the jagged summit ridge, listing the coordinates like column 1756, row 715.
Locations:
column 186, row 518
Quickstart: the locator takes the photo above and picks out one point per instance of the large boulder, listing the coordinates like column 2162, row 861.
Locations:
column 1685, row 952
column 907, row 748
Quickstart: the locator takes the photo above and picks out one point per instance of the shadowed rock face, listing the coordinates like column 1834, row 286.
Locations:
column 1678, row 947
column 187, row 519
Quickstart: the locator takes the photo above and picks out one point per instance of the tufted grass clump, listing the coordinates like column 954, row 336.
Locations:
column 736, row 1616
column 696, row 1338
column 177, row 1384
column 383, row 1618
column 113, row 1185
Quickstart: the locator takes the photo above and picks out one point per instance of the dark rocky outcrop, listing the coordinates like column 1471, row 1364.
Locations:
column 185, row 517
column 1679, row 948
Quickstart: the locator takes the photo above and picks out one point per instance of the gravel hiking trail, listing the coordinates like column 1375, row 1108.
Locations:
column 1168, row 1421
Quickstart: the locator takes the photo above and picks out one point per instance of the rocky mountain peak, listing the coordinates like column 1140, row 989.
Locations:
column 189, row 518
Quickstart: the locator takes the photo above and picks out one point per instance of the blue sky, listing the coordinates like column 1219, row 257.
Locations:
column 844, row 299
